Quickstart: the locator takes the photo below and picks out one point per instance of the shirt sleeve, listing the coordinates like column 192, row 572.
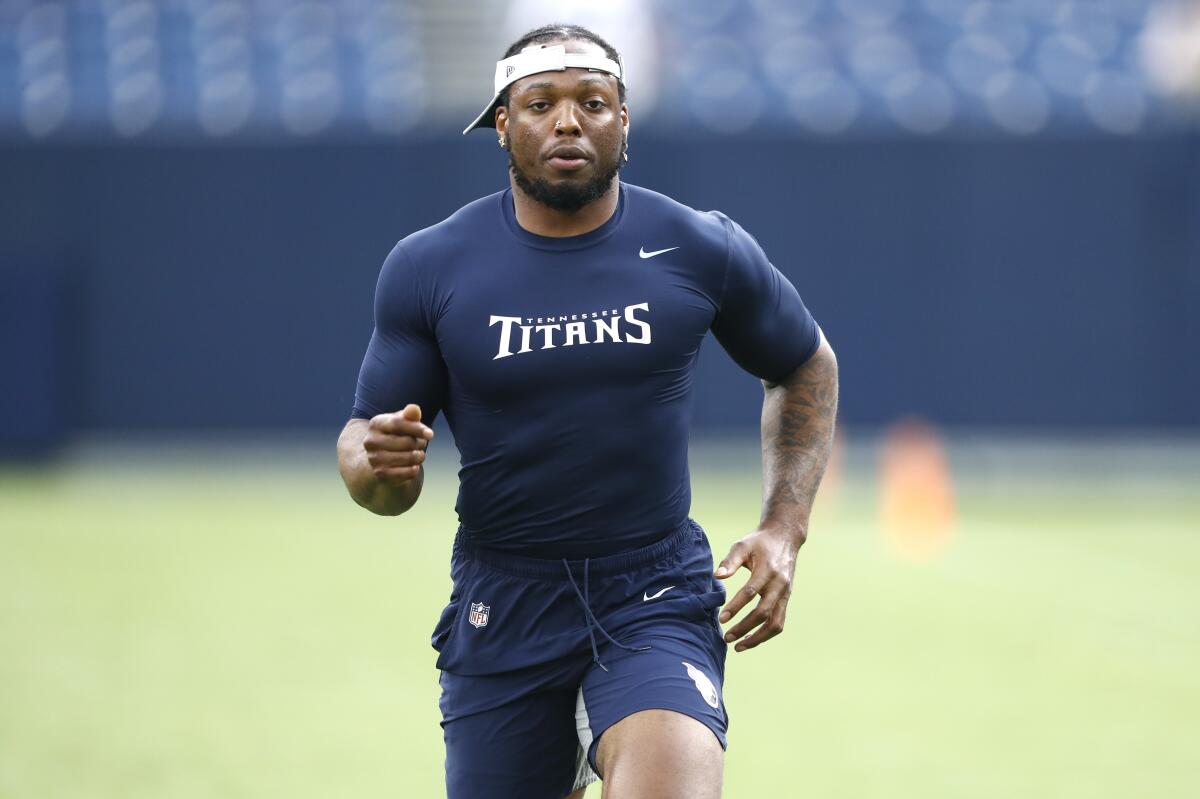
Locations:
column 761, row 321
column 403, row 363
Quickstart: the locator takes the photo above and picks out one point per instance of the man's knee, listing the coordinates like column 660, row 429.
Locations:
column 661, row 754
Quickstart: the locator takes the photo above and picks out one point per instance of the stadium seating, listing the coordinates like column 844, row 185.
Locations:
column 247, row 68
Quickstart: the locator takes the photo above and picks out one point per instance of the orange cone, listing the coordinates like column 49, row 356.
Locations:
column 917, row 514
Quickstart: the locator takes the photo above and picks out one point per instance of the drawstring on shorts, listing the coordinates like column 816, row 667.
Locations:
column 590, row 616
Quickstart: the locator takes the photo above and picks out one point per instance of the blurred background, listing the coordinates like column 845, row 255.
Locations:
column 991, row 206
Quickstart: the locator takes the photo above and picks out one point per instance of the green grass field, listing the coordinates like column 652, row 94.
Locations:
column 170, row 631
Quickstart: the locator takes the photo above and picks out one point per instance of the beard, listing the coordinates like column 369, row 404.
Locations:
column 568, row 195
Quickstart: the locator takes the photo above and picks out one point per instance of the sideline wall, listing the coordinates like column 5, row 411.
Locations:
column 992, row 283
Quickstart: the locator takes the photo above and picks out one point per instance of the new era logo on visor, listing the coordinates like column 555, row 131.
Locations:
column 510, row 69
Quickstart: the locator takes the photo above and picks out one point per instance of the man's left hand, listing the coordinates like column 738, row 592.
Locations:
column 770, row 555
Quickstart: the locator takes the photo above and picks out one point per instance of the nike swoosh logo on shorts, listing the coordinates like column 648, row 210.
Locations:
column 642, row 252
column 647, row 597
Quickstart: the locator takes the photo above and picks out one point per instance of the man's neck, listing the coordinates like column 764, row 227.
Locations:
column 542, row 220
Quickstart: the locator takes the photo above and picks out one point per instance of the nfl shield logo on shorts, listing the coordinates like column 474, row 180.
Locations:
column 479, row 614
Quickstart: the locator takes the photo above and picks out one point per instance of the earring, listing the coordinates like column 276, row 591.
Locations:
column 503, row 144
column 625, row 153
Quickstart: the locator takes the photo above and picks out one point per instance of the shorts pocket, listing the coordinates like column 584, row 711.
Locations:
column 446, row 623
column 708, row 605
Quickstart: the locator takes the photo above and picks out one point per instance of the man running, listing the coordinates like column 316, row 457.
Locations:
column 556, row 324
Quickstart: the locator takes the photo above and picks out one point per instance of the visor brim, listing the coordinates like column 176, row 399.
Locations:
column 487, row 118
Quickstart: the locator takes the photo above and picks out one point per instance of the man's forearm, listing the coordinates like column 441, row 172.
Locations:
column 797, row 435
column 365, row 488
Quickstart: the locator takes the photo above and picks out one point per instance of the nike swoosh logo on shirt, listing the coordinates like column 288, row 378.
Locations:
column 647, row 597
column 642, row 252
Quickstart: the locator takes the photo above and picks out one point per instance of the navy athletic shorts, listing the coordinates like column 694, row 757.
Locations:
column 539, row 657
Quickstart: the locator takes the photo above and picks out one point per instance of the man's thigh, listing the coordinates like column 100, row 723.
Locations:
column 660, row 753
column 527, row 748
column 659, row 707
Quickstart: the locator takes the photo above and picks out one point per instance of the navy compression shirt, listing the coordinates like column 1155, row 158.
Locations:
column 564, row 365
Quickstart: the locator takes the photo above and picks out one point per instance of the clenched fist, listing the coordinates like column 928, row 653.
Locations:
column 395, row 444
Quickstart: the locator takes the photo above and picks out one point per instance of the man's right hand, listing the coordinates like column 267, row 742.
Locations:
column 395, row 445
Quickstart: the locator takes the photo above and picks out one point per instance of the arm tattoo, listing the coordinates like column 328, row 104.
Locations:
column 797, row 435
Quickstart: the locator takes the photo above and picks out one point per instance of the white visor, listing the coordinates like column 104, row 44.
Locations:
column 531, row 62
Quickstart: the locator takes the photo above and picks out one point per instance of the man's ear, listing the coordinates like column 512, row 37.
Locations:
column 501, row 121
